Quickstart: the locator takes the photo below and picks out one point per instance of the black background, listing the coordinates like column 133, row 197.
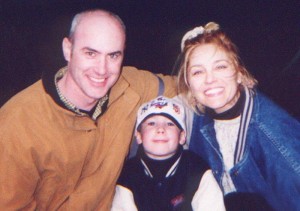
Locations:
column 266, row 32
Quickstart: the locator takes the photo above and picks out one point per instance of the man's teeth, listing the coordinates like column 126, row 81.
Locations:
column 97, row 80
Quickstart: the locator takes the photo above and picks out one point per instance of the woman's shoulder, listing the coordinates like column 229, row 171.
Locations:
column 266, row 110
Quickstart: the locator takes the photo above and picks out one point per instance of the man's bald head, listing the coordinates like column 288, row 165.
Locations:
column 100, row 14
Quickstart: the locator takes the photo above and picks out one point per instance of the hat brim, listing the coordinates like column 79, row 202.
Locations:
column 162, row 114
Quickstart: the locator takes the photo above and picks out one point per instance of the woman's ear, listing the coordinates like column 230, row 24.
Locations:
column 67, row 48
column 239, row 78
column 138, row 137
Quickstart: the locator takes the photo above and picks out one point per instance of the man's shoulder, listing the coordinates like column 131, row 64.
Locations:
column 26, row 95
column 132, row 73
column 24, row 100
column 141, row 81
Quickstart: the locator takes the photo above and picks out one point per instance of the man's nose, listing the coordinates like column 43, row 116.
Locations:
column 101, row 66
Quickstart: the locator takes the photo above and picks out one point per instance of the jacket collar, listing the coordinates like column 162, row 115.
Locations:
column 245, row 120
column 50, row 80
column 207, row 128
column 154, row 168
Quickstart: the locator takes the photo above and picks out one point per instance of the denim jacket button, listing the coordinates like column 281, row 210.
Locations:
column 236, row 173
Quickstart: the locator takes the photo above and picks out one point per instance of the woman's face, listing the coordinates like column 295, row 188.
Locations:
column 212, row 78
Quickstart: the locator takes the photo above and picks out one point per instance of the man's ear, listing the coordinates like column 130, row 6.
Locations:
column 138, row 137
column 67, row 48
column 182, row 137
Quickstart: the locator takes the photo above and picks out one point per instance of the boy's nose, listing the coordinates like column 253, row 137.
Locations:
column 161, row 129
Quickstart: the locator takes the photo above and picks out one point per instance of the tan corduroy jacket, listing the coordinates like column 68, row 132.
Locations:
column 53, row 159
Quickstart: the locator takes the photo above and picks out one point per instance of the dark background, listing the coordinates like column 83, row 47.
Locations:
column 266, row 32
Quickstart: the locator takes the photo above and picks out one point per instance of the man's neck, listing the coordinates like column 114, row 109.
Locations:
column 73, row 94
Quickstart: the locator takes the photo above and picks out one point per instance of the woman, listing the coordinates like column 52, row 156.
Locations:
column 252, row 145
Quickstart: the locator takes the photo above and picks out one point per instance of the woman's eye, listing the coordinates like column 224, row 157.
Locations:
column 221, row 67
column 197, row 72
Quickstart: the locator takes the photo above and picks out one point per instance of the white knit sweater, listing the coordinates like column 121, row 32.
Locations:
column 226, row 133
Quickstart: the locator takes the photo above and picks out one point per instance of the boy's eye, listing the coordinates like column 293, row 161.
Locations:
column 170, row 124
column 151, row 123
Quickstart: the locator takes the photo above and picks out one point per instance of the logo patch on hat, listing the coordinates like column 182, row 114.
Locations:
column 176, row 108
column 159, row 103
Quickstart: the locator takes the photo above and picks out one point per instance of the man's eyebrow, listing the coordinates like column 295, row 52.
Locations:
column 96, row 51
column 115, row 52
column 90, row 49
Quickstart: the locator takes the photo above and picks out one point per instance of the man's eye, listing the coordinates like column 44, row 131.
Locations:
column 90, row 53
column 114, row 55
column 151, row 123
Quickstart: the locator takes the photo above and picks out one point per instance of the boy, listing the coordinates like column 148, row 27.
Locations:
column 163, row 176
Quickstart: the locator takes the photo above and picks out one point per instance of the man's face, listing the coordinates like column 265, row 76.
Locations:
column 160, row 137
column 94, row 58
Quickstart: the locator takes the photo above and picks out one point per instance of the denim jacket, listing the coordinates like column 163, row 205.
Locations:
column 270, row 166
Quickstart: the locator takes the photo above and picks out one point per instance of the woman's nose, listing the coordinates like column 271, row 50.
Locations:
column 209, row 77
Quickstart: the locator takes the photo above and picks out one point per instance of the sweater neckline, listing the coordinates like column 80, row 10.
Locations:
column 231, row 113
column 159, row 168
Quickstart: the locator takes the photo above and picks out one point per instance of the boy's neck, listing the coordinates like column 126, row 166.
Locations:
column 159, row 168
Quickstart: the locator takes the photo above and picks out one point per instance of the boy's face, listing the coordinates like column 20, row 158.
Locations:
column 160, row 137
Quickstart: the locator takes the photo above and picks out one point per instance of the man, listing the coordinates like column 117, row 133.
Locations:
column 63, row 140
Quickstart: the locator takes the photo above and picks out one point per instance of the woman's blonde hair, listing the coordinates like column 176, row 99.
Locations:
column 209, row 34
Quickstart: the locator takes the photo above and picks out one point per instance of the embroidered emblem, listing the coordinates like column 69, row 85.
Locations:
column 159, row 103
column 176, row 108
column 177, row 200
